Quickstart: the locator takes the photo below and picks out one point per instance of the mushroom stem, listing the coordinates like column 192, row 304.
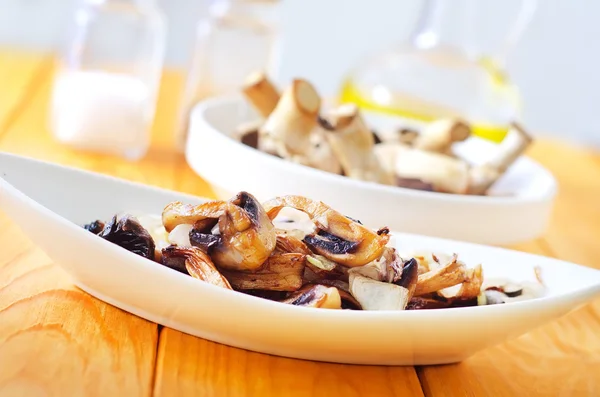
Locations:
column 482, row 177
column 261, row 93
column 439, row 135
column 444, row 173
column 352, row 143
column 287, row 130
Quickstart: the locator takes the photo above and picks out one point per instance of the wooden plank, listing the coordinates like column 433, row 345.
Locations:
column 58, row 340
column 55, row 338
column 563, row 357
column 188, row 366
column 18, row 70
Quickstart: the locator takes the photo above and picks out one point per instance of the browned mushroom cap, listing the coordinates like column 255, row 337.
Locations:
column 319, row 296
column 419, row 303
column 339, row 238
column 197, row 264
column 445, row 276
column 177, row 213
column 281, row 272
column 247, row 235
column 128, row 233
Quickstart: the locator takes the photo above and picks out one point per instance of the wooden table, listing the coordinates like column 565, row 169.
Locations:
column 56, row 340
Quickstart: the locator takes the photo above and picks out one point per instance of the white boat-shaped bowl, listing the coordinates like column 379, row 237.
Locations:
column 50, row 203
column 518, row 210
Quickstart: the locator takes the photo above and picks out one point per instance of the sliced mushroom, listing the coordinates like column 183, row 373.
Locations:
column 378, row 295
column 247, row 133
column 420, row 303
column 290, row 243
column 261, row 93
column 128, row 233
column 319, row 296
column 204, row 241
column 247, row 235
column 281, row 272
column 445, row 173
column 410, row 276
column 339, row 239
column 177, row 213
column 323, row 268
column 348, row 301
column 491, row 297
column 443, row 277
column 94, row 227
column 376, row 270
column 353, row 144
column 287, row 130
column 482, row 177
column 438, row 136
column 320, row 155
column 197, row 264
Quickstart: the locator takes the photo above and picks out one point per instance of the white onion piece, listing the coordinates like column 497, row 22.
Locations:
column 180, row 235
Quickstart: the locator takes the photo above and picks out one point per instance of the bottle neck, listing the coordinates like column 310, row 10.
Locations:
column 445, row 24
column 473, row 27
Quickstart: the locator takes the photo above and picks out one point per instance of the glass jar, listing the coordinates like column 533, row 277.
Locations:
column 452, row 66
column 238, row 37
column 107, row 81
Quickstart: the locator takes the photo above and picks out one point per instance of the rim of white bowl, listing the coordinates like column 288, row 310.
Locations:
column 198, row 116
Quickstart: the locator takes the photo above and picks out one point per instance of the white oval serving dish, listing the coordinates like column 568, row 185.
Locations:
column 50, row 202
column 519, row 209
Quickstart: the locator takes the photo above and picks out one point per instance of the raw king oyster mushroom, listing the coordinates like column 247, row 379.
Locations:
column 296, row 125
column 328, row 261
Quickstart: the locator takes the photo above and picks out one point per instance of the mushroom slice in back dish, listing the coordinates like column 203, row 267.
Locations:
column 247, row 235
column 483, row 176
column 261, row 93
column 339, row 238
column 286, row 132
column 439, row 135
column 445, row 173
column 353, row 144
column 197, row 264
column 177, row 213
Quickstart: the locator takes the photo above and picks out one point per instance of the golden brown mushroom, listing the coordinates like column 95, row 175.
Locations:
column 338, row 238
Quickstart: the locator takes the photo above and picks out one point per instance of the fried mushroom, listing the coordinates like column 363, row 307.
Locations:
column 128, row 233
column 445, row 276
column 339, row 238
column 281, row 272
column 177, row 213
column 247, row 235
column 197, row 264
column 316, row 295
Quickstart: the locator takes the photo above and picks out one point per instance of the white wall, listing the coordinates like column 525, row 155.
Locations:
column 555, row 63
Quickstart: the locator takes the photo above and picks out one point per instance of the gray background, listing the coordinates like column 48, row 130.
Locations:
column 556, row 63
